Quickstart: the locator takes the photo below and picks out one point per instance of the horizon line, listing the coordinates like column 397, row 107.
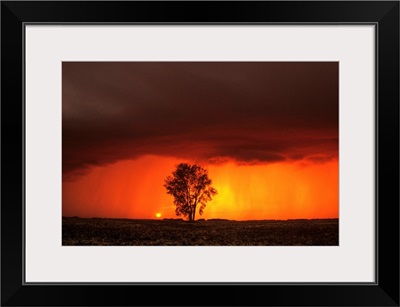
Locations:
column 200, row 219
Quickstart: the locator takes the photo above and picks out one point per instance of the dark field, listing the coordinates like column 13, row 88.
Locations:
column 117, row 232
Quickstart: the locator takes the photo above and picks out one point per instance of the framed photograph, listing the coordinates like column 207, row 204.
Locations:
column 166, row 153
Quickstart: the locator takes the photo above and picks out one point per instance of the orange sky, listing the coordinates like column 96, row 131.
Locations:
column 134, row 189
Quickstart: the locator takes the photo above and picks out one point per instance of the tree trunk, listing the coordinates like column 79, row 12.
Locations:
column 194, row 212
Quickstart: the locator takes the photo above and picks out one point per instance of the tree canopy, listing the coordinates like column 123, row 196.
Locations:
column 190, row 186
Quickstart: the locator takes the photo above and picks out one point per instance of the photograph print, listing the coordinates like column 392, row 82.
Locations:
column 200, row 153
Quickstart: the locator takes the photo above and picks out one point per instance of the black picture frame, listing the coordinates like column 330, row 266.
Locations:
column 383, row 14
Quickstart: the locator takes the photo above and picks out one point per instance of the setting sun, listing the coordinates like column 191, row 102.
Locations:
column 158, row 215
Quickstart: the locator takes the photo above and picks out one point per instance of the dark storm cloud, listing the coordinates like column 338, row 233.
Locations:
column 249, row 112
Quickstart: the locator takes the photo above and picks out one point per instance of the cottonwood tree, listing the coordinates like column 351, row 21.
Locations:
column 190, row 187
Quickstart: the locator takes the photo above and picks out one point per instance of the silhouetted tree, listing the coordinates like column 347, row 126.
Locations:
column 190, row 186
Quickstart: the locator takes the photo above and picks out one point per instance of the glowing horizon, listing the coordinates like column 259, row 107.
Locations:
column 134, row 189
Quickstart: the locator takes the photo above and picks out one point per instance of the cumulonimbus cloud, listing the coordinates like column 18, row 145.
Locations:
column 249, row 112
